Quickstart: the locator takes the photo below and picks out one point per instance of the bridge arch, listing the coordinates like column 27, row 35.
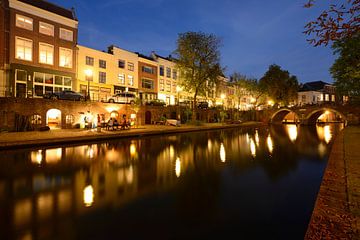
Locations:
column 313, row 116
column 280, row 115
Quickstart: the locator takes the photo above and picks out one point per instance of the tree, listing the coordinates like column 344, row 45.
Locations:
column 340, row 21
column 245, row 86
column 198, row 60
column 346, row 69
column 279, row 85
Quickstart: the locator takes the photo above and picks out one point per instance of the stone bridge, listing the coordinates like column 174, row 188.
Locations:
column 309, row 114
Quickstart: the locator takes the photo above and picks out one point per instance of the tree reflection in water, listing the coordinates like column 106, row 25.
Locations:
column 204, row 182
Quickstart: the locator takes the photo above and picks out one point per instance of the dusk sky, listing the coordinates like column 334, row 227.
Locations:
column 254, row 33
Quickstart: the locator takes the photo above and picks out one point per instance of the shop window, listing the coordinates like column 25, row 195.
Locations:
column 69, row 119
column 35, row 119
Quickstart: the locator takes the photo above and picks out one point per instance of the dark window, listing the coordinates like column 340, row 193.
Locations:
column 67, row 81
column 174, row 74
column 161, row 70
column 58, row 80
column 121, row 64
column 89, row 61
column 147, row 83
column 102, row 77
column 148, row 69
column 102, row 64
column 168, row 72
column 39, row 90
column 21, row 75
column 130, row 66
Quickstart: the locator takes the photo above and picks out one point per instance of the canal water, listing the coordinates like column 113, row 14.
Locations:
column 255, row 183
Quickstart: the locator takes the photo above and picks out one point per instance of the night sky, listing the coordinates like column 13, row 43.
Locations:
column 254, row 33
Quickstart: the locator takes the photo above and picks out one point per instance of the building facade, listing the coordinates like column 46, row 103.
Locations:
column 318, row 92
column 168, row 76
column 42, row 47
column 148, row 78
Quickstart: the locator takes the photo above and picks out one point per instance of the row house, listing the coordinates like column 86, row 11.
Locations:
column 41, row 41
column 317, row 92
column 148, row 78
column 101, row 74
column 168, row 89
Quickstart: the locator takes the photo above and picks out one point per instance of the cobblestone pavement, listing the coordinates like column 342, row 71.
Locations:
column 62, row 136
column 337, row 209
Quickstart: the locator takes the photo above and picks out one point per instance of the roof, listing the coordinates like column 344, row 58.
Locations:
column 51, row 7
column 144, row 56
column 313, row 86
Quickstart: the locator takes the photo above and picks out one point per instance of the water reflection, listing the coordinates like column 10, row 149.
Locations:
column 292, row 131
column 59, row 184
column 222, row 153
column 270, row 144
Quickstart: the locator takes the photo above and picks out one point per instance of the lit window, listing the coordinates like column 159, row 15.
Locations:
column 121, row 78
column 46, row 29
column 35, row 119
column 24, row 22
column 168, row 86
column 147, row 83
column 66, row 34
column 161, row 85
column 131, row 80
column 69, row 119
column 23, row 49
column 333, row 98
column 326, row 97
column 65, row 57
column 46, row 53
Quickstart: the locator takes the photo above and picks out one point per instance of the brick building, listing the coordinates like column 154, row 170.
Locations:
column 40, row 40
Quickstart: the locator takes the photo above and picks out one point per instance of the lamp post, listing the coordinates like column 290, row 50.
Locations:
column 222, row 98
column 88, row 74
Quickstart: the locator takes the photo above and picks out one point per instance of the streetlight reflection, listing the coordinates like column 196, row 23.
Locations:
column 252, row 148
column 222, row 153
column 177, row 167
column 88, row 195
column 292, row 132
column 270, row 144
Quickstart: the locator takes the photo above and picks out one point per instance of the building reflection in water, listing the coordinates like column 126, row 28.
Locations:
column 252, row 148
column 88, row 196
column 178, row 167
column 81, row 179
column 222, row 153
column 269, row 143
column 292, row 131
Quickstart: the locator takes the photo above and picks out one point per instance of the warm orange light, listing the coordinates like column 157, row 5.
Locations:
column 177, row 167
column 222, row 153
column 88, row 196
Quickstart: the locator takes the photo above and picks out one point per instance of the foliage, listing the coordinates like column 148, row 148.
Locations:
column 346, row 69
column 279, row 85
column 340, row 21
column 198, row 60
column 246, row 86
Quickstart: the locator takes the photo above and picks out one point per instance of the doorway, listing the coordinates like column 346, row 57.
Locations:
column 53, row 118
column 147, row 117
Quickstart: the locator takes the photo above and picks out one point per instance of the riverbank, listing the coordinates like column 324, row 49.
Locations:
column 12, row 140
column 337, row 209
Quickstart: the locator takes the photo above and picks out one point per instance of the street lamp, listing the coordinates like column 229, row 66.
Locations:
column 88, row 74
column 222, row 98
column 178, row 90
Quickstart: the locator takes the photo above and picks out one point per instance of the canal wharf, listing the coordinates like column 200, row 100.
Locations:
column 336, row 213
column 13, row 140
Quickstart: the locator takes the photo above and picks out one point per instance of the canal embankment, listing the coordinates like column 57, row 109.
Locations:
column 336, row 213
column 13, row 140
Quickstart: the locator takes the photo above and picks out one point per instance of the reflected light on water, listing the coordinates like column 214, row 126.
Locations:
column 270, row 144
column 247, row 138
column 327, row 134
column 36, row 157
column 177, row 167
column 292, row 131
column 129, row 175
column 209, row 144
column 88, row 195
column 222, row 153
column 257, row 137
column 53, row 155
column 90, row 152
column 172, row 151
column 322, row 149
column 252, row 148
column 132, row 149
